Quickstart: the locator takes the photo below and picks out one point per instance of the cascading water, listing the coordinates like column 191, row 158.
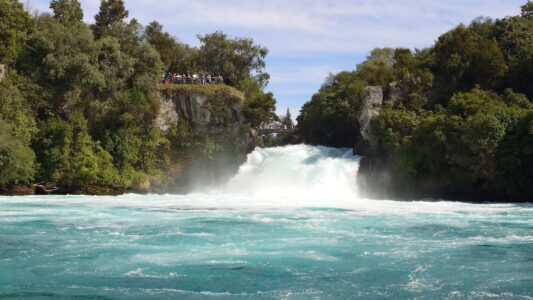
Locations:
column 297, row 172
column 288, row 225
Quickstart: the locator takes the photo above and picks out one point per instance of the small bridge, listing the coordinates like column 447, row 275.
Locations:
column 263, row 131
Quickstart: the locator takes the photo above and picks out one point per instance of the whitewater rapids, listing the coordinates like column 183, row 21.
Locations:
column 289, row 225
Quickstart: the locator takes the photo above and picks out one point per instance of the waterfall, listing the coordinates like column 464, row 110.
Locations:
column 298, row 171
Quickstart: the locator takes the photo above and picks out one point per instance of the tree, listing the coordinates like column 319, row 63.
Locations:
column 527, row 10
column 463, row 60
column 377, row 69
column 260, row 109
column 287, row 120
column 67, row 11
column 17, row 159
column 61, row 64
column 331, row 116
column 236, row 59
column 514, row 35
column 111, row 11
column 515, row 159
column 70, row 157
column 162, row 42
column 17, row 126
column 15, row 28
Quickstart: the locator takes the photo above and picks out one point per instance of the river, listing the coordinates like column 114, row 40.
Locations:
column 289, row 225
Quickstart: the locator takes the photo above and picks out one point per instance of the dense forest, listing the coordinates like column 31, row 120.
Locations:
column 78, row 101
column 457, row 118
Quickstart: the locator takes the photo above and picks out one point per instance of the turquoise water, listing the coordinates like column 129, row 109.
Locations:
column 248, row 240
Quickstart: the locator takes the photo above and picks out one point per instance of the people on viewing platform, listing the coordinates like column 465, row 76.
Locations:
column 174, row 78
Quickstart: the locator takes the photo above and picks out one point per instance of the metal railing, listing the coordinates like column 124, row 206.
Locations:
column 184, row 79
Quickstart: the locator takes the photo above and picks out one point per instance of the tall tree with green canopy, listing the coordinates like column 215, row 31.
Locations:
column 15, row 28
column 260, row 109
column 515, row 36
column 176, row 56
column 377, row 68
column 527, row 10
column 111, row 11
column 331, row 116
column 162, row 42
column 462, row 60
column 60, row 62
column 286, row 120
column 236, row 59
column 67, row 11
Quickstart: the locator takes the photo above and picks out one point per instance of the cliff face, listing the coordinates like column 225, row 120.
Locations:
column 208, row 109
column 372, row 100
column 213, row 113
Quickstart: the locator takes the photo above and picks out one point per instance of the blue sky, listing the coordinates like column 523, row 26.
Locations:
column 308, row 39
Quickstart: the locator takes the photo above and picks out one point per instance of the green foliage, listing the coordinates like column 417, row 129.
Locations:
column 378, row 67
column 393, row 128
column 260, row 109
column 67, row 11
column 514, row 99
column 457, row 117
column 69, row 157
column 456, row 149
column 209, row 147
column 60, row 56
column 463, row 60
column 331, row 117
column 17, row 159
column 515, row 159
column 475, row 101
column 515, row 36
column 236, row 59
column 286, row 120
column 182, row 136
column 176, row 57
column 15, row 28
column 527, row 10
column 94, row 92
column 111, row 11
column 162, row 42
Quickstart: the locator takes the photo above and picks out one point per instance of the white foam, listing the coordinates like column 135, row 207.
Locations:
column 283, row 178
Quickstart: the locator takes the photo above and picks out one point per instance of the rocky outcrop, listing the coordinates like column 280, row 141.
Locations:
column 394, row 94
column 372, row 100
column 2, row 71
column 208, row 110
column 221, row 138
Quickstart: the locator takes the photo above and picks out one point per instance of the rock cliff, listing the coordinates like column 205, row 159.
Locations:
column 208, row 109
column 213, row 113
column 372, row 100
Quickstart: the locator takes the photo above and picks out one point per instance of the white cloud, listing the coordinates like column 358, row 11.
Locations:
column 313, row 25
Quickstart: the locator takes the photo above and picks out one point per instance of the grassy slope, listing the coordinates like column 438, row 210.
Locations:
column 204, row 89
